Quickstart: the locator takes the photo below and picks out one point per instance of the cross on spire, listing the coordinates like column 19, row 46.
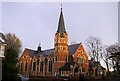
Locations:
column 61, row 6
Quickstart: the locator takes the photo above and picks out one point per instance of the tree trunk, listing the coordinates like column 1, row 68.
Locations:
column 108, row 68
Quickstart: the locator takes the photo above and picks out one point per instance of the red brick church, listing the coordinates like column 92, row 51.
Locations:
column 62, row 60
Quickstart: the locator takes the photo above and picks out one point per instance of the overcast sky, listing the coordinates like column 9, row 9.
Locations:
column 38, row 22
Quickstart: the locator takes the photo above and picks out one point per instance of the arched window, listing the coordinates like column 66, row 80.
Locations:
column 38, row 61
column 61, row 73
column 26, row 66
column 34, row 66
column 53, row 59
column 83, row 69
column 41, row 66
column 76, row 70
column 46, row 60
column 50, row 65
column 56, row 58
column 61, row 47
column 56, row 48
column 65, row 58
column 83, row 60
column 21, row 66
column 30, row 68
column 79, row 59
column 71, row 59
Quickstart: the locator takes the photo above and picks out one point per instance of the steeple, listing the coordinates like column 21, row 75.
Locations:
column 61, row 42
column 61, row 25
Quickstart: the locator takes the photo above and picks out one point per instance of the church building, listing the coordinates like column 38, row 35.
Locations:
column 61, row 61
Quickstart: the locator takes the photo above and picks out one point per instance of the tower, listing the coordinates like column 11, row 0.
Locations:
column 61, row 43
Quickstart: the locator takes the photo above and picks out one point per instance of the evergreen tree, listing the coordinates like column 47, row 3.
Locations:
column 11, row 57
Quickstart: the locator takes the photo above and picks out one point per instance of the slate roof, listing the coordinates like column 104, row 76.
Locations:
column 61, row 25
column 66, row 67
column 93, row 64
column 48, row 52
column 71, row 50
column 30, row 52
column 33, row 53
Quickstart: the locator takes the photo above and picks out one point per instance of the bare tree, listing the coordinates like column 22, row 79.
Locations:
column 94, row 47
column 114, row 51
column 105, row 57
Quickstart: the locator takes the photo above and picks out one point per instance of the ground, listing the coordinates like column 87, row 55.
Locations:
column 66, row 79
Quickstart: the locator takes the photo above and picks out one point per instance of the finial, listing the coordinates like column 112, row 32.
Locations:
column 39, row 44
column 39, row 47
column 61, row 7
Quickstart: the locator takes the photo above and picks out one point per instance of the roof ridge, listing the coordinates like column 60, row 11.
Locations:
column 53, row 48
column 75, row 44
column 30, row 49
column 48, row 49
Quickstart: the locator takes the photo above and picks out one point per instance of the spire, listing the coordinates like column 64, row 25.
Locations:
column 61, row 25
